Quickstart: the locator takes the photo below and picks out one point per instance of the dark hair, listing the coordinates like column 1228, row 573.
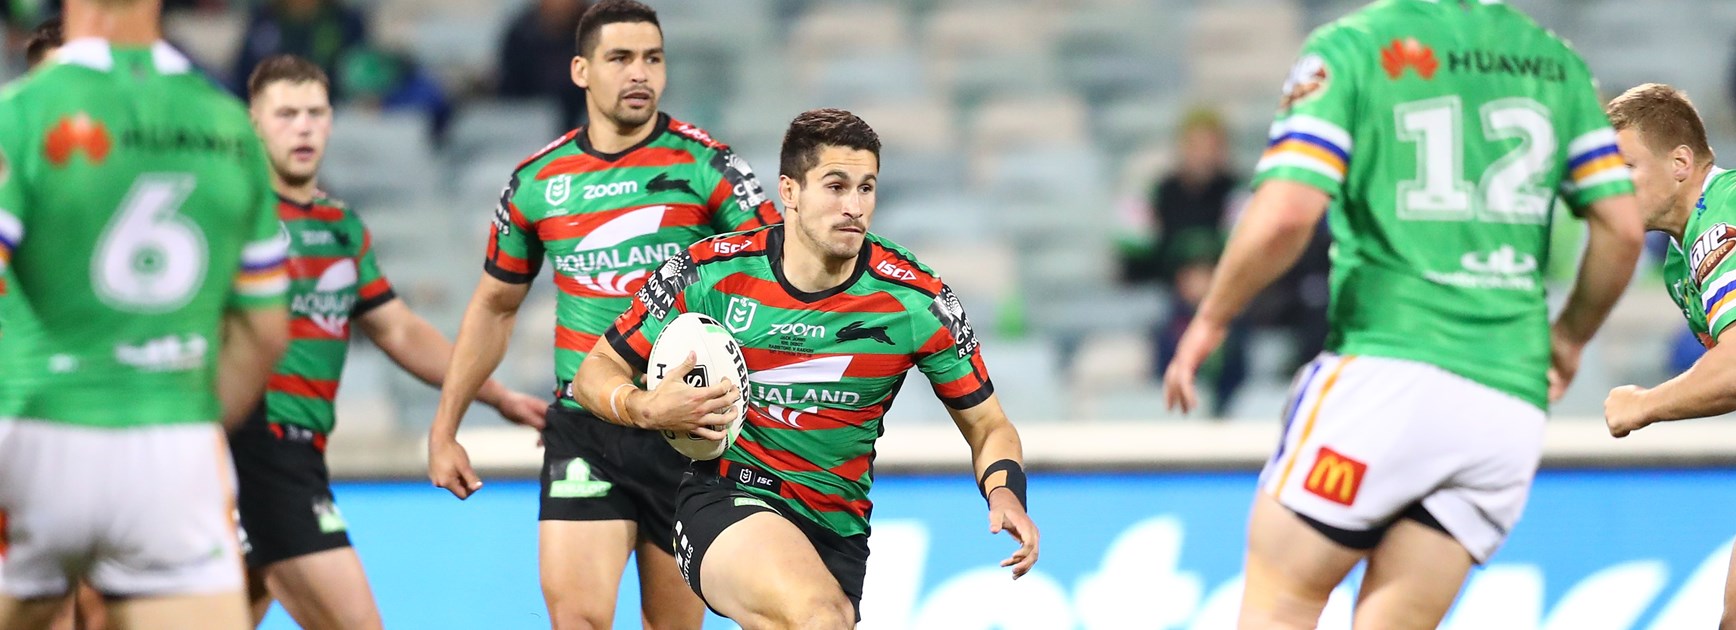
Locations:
column 284, row 68
column 43, row 40
column 1664, row 118
column 817, row 128
column 609, row 12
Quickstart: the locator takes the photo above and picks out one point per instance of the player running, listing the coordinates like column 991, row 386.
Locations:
column 1683, row 194
column 298, row 550
column 775, row 533
column 1443, row 131
column 136, row 214
column 605, row 205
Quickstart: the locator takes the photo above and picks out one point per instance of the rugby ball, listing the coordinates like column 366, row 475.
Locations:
column 716, row 356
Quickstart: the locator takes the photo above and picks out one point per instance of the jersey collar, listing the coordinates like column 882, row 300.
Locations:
column 775, row 257
column 1710, row 175
column 659, row 125
column 96, row 54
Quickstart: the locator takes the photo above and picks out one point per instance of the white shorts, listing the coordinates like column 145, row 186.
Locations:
column 1369, row 439
column 138, row 512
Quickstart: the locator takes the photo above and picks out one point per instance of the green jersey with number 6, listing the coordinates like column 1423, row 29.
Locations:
column 1445, row 131
column 1702, row 278
column 135, row 208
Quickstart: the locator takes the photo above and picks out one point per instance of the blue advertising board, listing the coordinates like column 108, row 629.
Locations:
column 1597, row 550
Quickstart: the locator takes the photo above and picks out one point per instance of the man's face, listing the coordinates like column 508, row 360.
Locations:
column 624, row 75
column 1655, row 183
column 832, row 208
column 295, row 120
column 1204, row 148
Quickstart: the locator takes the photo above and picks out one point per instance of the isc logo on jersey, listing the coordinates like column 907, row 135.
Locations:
column 1710, row 250
column 329, row 306
column 597, row 259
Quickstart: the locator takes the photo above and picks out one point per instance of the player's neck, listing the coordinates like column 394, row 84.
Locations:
column 126, row 25
column 608, row 136
column 1687, row 200
column 810, row 271
column 302, row 194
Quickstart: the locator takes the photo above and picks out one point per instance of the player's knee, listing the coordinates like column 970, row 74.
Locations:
column 575, row 613
column 818, row 611
column 1728, row 621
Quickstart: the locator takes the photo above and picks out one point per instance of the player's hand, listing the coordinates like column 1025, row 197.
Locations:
column 1563, row 364
column 449, row 468
column 677, row 406
column 1005, row 513
column 1624, row 410
column 525, row 409
column 1198, row 342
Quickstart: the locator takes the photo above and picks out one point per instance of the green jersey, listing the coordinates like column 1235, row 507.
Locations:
column 135, row 209
column 1702, row 279
column 822, row 367
column 606, row 221
column 333, row 278
column 1444, row 130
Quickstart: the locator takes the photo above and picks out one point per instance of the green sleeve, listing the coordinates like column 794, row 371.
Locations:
column 1309, row 141
column 1595, row 169
column 1710, row 261
column 515, row 252
column 262, row 281
column 737, row 200
column 372, row 289
column 949, row 353
column 666, row 295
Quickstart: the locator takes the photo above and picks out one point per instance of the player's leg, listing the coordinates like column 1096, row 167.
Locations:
column 1355, row 453
column 298, row 545
column 580, row 563
column 1291, row 568
column 176, row 560
column 1728, row 621
column 1412, row 579
column 1418, row 569
column 325, row 589
column 89, row 611
column 665, row 600
column 753, row 564
column 29, row 614
column 588, row 520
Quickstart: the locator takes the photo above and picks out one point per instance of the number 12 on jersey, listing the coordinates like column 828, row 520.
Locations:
column 1508, row 191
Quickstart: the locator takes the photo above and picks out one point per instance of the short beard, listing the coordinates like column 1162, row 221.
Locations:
column 295, row 180
column 624, row 118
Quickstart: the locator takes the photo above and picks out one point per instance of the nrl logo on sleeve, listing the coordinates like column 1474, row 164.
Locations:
column 740, row 316
column 1308, row 79
column 1710, row 250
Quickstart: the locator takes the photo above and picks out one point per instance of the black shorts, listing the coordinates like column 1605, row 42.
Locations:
column 284, row 492
column 709, row 503
column 597, row 471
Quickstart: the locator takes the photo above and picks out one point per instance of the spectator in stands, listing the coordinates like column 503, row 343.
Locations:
column 395, row 82
column 1193, row 255
column 322, row 31
column 536, row 57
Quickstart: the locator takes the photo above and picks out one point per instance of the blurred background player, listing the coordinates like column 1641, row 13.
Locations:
column 605, row 204
column 148, row 270
column 296, row 541
column 1419, row 430
column 775, row 533
column 1682, row 193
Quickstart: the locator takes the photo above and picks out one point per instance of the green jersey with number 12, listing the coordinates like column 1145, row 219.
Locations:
column 1445, row 131
column 135, row 208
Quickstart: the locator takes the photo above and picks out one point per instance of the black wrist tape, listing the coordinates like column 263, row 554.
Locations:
column 1015, row 480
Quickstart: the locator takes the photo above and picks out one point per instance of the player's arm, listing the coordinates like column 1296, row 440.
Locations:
column 737, row 199
column 1617, row 234
column 1274, row 232
column 1701, row 392
column 513, row 260
column 256, row 325
column 998, row 458
column 606, row 384
column 421, row 349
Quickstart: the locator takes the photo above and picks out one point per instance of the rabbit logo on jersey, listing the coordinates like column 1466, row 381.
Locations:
column 601, row 264
column 331, row 301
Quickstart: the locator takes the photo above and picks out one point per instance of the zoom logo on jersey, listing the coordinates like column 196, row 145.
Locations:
column 599, row 191
column 856, row 331
column 799, row 329
column 950, row 312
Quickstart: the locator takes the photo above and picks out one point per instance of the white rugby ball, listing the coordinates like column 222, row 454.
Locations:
column 716, row 356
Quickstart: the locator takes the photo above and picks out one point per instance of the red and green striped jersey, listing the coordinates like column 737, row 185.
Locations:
column 333, row 277
column 823, row 367
column 606, row 221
